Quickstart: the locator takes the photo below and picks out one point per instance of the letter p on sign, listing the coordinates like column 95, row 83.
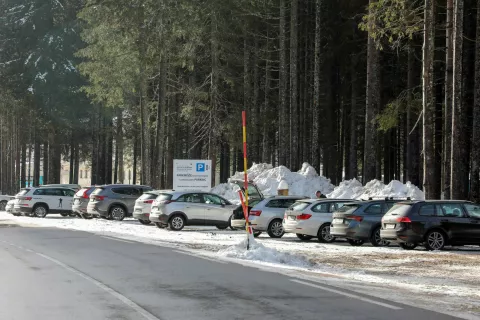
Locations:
column 200, row 167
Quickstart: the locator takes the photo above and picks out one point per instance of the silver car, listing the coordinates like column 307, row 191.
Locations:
column 178, row 209
column 267, row 215
column 143, row 205
column 9, row 207
column 80, row 202
column 115, row 201
column 312, row 218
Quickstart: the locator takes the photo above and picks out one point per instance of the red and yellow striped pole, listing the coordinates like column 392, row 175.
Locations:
column 245, row 207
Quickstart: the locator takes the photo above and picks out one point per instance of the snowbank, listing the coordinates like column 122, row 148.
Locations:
column 302, row 183
column 353, row 189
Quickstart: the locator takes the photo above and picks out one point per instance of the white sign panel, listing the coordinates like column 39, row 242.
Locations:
column 192, row 175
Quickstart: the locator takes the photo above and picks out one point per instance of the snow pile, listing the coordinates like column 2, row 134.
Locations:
column 353, row 189
column 302, row 183
column 259, row 252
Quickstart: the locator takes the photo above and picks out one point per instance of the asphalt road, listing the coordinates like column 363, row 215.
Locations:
column 61, row 274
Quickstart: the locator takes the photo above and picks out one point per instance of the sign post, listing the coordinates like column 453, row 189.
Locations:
column 245, row 207
column 192, row 175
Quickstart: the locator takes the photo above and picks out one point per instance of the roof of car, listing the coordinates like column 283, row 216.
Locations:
column 122, row 185
column 324, row 200
column 286, row 197
column 435, row 201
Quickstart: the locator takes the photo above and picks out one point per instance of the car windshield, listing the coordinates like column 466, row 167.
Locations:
column 299, row 206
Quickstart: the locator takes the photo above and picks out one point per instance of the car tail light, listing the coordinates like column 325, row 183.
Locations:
column 356, row 218
column 256, row 213
column 26, row 198
column 166, row 201
column 304, row 216
column 85, row 195
column 404, row 220
column 148, row 201
column 100, row 198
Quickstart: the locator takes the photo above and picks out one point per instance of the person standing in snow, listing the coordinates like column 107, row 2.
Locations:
column 319, row 195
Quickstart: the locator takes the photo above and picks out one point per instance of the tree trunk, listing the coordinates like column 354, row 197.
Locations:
column 36, row 160
column 371, row 109
column 428, row 101
column 294, row 85
column 120, row 144
column 266, row 127
column 46, row 162
column 316, row 88
column 76, row 163
column 283, row 132
column 459, row 165
column 23, row 171
column 353, row 164
column 475, row 155
column 135, row 157
column 72, row 160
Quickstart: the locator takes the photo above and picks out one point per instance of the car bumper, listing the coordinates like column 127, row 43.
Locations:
column 96, row 212
column 261, row 223
column 238, row 223
column 401, row 236
column 22, row 210
column 79, row 209
column 300, row 228
column 159, row 217
column 141, row 216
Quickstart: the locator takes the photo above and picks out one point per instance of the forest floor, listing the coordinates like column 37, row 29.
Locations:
column 446, row 279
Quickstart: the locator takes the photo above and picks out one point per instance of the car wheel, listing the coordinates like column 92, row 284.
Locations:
column 303, row 237
column 117, row 213
column 160, row 226
column 275, row 229
column 324, row 235
column 376, row 240
column 435, row 240
column 64, row 214
column 86, row 216
column 230, row 224
column 144, row 222
column 3, row 204
column 176, row 223
column 222, row 227
column 355, row 243
column 73, row 215
column 16, row 214
column 257, row 233
column 40, row 211
column 407, row 246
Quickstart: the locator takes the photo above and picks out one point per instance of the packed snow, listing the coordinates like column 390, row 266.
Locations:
column 307, row 181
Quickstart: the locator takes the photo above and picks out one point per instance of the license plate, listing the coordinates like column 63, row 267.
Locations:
column 389, row 226
column 337, row 221
column 138, row 210
column 291, row 217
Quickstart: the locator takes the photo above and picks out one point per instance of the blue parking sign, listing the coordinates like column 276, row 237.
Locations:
column 200, row 167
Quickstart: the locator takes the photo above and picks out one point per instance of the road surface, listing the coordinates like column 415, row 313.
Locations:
column 52, row 274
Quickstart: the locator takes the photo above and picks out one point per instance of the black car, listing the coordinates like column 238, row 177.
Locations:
column 432, row 223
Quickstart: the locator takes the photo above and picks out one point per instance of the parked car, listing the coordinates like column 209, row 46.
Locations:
column 361, row 221
column 434, row 224
column 80, row 202
column 254, row 197
column 311, row 218
column 143, row 205
column 42, row 201
column 3, row 201
column 267, row 215
column 9, row 206
column 177, row 209
column 115, row 201
column 75, row 187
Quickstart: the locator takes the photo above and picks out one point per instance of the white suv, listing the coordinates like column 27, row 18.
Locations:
column 42, row 201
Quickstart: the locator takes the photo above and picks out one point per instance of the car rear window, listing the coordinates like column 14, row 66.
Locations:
column 148, row 196
column 280, row 203
column 299, row 206
column 164, row 196
column 400, row 209
column 97, row 191
column 23, row 192
column 349, row 207
column 80, row 192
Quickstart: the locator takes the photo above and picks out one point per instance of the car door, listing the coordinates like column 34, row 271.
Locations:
column 473, row 231
column 131, row 195
column 194, row 207
column 68, row 201
column 454, row 220
column 217, row 210
column 55, row 199
column 321, row 213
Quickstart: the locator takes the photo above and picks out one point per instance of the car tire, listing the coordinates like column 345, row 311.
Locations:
column 275, row 229
column 407, row 246
column 144, row 222
column 3, row 204
column 324, row 235
column 16, row 214
column 303, row 237
column 86, row 216
column 117, row 213
column 73, row 215
column 376, row 240
column 160, row 226
column 64, row 214
column 176, row 223
column 256, row 234
column 435, row 240
column 40, row 211
column 222, row 227
column 355, row 243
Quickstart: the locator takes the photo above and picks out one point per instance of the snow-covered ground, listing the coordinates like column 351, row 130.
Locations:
column 307, row 181
column 447, row 280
